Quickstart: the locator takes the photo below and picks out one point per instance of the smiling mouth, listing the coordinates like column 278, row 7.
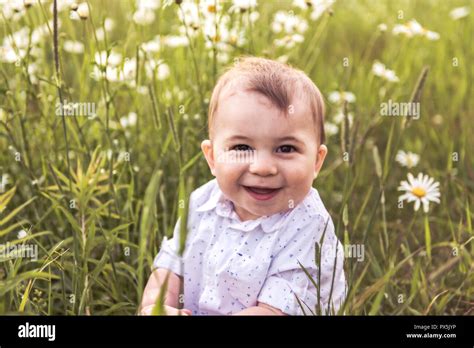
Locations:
column 262, row 193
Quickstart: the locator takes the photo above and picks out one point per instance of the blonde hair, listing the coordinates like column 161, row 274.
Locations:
column 279, row 82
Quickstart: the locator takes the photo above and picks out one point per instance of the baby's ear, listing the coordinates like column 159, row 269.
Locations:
column 321, row 155
column 206, row 147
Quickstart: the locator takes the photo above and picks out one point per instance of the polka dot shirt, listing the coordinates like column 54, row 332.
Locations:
column 229, row 265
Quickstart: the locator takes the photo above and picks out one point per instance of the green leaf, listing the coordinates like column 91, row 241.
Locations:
column 159, row 307
column 6, row 197
column 10, row 284
column 16, row 211
column 147, row 223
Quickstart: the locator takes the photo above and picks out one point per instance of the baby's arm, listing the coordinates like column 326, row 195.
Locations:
column 261, row 309
column 153, row 288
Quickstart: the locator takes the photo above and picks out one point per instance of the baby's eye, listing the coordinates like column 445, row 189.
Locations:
column 286, row 149
column 241, row 147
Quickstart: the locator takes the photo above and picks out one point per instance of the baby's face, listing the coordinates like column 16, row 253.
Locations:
column 264, row 162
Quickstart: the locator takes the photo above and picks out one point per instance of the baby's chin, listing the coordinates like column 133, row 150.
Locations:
column 258, row 210
column 246, row 214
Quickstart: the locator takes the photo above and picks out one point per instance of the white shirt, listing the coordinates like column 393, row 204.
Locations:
column 229, row 265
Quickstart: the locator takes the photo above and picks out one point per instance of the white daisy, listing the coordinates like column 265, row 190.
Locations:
column 152, row 46
column 71, row 46
column 382, row 27
column 64, row 5
column 3, row 115
column 339, row 117
column 143, row 17
column 283, row 58
column 422, row 189
column 4, row 182
column 38, row 181
column 379, row 69
column 109, row 24
column 291, row 28
column 432, row 35
column 242, row 5
column 175, row 41
column 302, row 4
column 145, row 13
column 402, row 29
column 129, row 69
column 163, row 71
column 74, row 16
column 407, row 159
column 413, row 28
column 319, row 7
column 129, row 120
column 22, row 234
column 188, row 12
column 83, row 10
column 330, row 129
column 104, row 59
column 148, row 4
column 156, row 65
column 339, row 97
column 459, row 12
column 289, row 23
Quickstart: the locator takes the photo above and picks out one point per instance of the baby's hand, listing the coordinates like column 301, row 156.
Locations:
column 168, row 310
column 175, row 311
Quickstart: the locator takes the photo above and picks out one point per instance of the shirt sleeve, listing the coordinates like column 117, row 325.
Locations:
column 168, row 256
column 288, row 288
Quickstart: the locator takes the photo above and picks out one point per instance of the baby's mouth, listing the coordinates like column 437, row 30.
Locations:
column 262, row 193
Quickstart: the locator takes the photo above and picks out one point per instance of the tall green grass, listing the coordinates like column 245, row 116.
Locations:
column 98, row 216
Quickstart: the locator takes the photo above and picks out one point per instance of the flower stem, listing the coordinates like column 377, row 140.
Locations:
column 427, row 237
column 59, row 86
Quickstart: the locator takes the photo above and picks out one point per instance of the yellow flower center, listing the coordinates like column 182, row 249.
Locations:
column 419, row 192
column 211, row 8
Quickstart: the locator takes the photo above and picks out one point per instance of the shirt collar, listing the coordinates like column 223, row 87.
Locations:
column 225, row 208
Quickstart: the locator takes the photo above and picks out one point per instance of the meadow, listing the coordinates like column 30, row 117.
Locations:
column 103, row 106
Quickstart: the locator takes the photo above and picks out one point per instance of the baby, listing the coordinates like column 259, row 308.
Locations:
column 253, row 228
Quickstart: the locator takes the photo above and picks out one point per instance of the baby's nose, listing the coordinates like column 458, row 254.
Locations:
column 263, row 165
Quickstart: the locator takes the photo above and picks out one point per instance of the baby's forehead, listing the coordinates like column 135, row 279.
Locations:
column 260, row 118
column 297, row 105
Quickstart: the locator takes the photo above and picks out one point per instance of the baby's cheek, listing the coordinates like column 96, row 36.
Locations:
column 227, row 178
column 299, row 174
column 299, row 182
column 230, row 172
